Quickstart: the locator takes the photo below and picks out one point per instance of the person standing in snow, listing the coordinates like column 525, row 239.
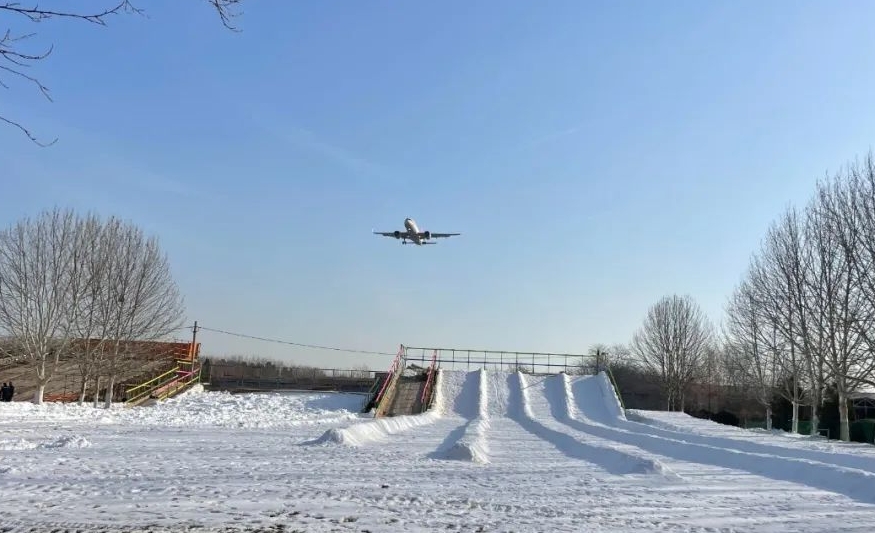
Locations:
column 10, row 390
column 3, row 391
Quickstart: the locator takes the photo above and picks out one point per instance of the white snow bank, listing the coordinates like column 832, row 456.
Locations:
column 679, row 425
column 824, row 473
column 197, row 408
column 66, row 441
column 379, row 429
column 375, row 430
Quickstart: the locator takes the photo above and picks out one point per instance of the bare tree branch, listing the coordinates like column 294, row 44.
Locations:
column 27, row 132
column 14, row 60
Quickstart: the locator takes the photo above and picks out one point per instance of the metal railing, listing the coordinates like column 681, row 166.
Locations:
column 143, row 390
column 182, row 382
column 167, row 384
column 529, row 362
column 425, row 400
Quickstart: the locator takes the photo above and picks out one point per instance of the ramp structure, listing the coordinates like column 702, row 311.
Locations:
column 407, row 387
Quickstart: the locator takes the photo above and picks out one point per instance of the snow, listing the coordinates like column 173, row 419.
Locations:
column 497, row 452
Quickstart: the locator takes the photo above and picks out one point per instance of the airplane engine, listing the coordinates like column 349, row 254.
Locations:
column 427, row 235
column 397, row 234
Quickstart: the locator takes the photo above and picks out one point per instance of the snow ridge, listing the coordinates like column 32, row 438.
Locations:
column 611, row 396
column 471, row 445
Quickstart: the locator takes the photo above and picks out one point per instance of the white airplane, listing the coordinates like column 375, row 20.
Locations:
column 411, row 232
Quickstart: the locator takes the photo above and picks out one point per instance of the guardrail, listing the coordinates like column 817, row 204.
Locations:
column 182, row 382
column 528, row 362
column 143, row 390
column 425, row 400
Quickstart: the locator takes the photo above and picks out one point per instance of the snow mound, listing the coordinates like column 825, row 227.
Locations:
column 69, row 441
column 197, row 408
column 473, row 452
column 380, row 429
column 374, row 430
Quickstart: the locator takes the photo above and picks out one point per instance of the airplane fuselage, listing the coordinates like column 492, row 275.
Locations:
column 412, row 231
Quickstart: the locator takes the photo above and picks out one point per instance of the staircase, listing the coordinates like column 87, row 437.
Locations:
column 403, row 391
column 407, row 399
column 184, row 375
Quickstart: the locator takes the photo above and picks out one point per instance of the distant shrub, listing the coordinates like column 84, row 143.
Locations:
column 863, row 430
column 726, row 418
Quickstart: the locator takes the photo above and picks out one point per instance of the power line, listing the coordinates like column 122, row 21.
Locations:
column 290, row 343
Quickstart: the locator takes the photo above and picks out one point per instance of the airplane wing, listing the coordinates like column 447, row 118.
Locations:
column 385, row 233
column 438, row 235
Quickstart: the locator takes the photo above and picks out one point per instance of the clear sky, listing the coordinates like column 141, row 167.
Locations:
column 595, row 155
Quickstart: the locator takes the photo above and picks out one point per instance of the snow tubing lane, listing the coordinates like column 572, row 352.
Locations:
column 610, row 459
column 468, row 443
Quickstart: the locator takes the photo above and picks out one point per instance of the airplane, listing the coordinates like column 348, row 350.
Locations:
column 412, row 233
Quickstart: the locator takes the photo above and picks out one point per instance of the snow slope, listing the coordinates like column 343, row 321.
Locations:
column 498, row 452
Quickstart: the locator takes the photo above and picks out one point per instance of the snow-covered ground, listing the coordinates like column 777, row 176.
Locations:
column 499, row 452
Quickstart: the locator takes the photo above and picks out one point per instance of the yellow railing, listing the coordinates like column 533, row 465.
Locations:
column 171, row 377
column 140, row 391
column 181, row 384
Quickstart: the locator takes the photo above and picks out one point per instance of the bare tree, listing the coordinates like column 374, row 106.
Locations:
column 712, row 372
column 835, row 299
column 672, row 343
column 855, row 214
column 778, row 285
column 36, row 286
column 748, row 340
column 88, row 324
column 15, row 60
column 360, row 371
column 141, row 301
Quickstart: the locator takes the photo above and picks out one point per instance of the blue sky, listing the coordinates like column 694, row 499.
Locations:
column 595, row 155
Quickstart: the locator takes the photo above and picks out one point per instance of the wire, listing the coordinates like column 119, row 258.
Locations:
column 302, row 345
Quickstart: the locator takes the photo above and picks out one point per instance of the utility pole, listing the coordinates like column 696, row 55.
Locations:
column 194, row 341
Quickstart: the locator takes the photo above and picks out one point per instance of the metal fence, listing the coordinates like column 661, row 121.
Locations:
column 528, row 362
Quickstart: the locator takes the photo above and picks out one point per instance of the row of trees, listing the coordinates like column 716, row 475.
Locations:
column 67, row 278
column 801, row 320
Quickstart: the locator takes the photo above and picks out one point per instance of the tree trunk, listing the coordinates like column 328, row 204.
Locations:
column 39, row 393
column 795, row 423
column 844, row 425
column 107, row 402
column 96, row 391
column 769, row 417
column 82, row 390
column 815, row 405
